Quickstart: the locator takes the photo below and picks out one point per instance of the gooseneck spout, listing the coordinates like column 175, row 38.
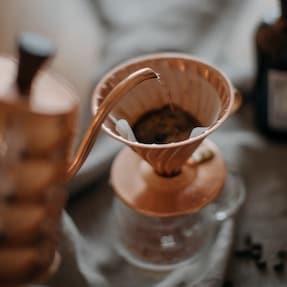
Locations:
column 104, row 109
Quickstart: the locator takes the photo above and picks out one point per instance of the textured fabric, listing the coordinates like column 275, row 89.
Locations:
column 219, row 31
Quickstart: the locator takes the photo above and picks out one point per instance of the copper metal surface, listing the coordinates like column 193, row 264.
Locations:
column 101, row 113
column 189, row 83
column 36, row 138
column 138, row 186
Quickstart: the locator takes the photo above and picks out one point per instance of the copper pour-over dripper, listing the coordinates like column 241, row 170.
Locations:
column 167, row 181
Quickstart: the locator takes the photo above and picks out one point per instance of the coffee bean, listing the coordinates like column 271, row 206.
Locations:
column 261, row 265
column 248, row 240
column 228, row 283
column 279, row 267
column 257, row 246
column 256, row 254
column 243, row 253
column 282, row 254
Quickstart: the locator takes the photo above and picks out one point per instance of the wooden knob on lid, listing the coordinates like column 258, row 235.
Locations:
column 34, row 50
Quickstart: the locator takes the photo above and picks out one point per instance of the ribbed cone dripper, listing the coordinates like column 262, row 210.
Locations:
column 186, row 82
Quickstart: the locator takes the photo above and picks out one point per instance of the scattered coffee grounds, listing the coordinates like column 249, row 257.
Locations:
column 254, row 251
column 165, row 125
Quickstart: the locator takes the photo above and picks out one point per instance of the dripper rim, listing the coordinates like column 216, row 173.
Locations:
column 158, row 56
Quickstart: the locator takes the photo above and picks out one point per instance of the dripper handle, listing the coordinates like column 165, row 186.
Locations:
column 237, row 101
column 34, row 50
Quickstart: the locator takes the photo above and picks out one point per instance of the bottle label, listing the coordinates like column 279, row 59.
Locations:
column 277, row 99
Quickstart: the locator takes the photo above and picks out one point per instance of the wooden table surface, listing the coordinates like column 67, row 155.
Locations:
column 264, row 217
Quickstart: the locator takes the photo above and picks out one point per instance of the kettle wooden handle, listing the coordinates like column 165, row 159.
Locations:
column 34, row 50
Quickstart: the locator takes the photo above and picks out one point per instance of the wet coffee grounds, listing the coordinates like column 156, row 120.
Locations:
column 165, row 125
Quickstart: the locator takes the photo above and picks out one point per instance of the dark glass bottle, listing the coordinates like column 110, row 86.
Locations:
column 271, row 80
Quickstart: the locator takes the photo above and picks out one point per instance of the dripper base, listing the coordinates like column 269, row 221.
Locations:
column 140, row 188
